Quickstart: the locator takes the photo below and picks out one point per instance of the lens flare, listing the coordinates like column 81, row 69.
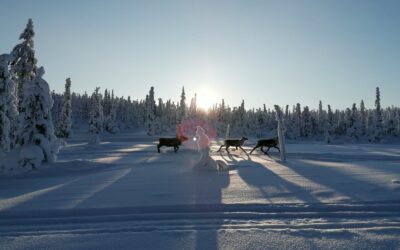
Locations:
column 188, row 128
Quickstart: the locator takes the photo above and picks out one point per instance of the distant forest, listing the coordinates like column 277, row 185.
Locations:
column 162, row 117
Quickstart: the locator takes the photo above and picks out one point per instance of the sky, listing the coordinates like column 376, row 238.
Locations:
column 263, row 52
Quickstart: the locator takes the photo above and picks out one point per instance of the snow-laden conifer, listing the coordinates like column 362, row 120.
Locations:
column 354, row 129
column 328, row 125
column 239, row 123
column 64, row 129
column 390, row 123
column 376, row 130
column 36, row 122
column 363, row 119
column 110, row 121
column 222, row 119
column 150, row 113
column 24, row 61
column 306, row 120
column 321, row 119
column 182, row 107
column 8, row 109
column 96, row 118
column 297, row 122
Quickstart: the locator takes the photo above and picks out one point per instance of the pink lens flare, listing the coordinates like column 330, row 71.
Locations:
column 188, row 128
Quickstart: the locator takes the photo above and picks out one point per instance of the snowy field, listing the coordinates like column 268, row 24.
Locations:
column 122, row 194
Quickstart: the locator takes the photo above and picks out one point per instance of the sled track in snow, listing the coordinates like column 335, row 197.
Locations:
column 360, row 216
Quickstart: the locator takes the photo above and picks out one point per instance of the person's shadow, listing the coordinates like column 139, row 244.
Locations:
column 206, row 184
column 204, row 189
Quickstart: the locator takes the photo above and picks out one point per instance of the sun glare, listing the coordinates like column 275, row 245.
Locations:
column 205, row 99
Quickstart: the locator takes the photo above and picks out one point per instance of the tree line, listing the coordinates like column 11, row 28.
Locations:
column 113, row 114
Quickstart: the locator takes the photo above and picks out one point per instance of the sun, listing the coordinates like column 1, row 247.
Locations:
column 205, row 99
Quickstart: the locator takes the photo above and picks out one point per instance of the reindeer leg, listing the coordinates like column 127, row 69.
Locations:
column 277, row 148
column 176, row 148
column 226, row 148
column 220, row 148
column 262, row 149
column 253, row 149
column 243, row 150
column 158, row 148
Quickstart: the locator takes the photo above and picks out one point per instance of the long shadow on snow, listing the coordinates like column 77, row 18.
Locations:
column 343, row 182
column 271, row 185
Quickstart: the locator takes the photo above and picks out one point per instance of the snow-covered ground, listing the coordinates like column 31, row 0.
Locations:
column 122, row 194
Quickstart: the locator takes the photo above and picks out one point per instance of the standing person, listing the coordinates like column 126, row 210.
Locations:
column 203, row 146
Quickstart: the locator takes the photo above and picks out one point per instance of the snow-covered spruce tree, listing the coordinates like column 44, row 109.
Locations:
column 150, row 113
column 121, row 111
column 363, row 119
column 182, row 107
column 80, row 109
column 321, row 119
column 24, row 61
column 397, row 118
column 222, row 119
column 110, row 122
column 307, row 125
column 238, row 121
column 64, row 129
column 297, row 122
column 260, row 121
column 132, row 111
column 106, row 103
column 96, row 118
column 269, row 122
column 242, row 119
column 36, row 123
column 354, row 124
column 85, row 106
column 390, row 122
column 328, row 126
column 193, row 107
column 57, row 107
column 281, row 132
column 8, row 108
column 340, row 128
column 287, row 113
column 170, row 115
column 160, row 122
column 141, row 113
column 376, row 131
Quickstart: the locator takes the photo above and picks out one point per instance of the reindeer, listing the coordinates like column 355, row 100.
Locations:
column 171, row 142
column 234, row 143
column 273, row 142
